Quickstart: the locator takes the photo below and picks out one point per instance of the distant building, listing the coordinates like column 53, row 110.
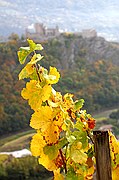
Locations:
column 42, row 33
column 106, row 127
column 89, row 33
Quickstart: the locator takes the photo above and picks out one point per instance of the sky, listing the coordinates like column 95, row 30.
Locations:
column 69, row 15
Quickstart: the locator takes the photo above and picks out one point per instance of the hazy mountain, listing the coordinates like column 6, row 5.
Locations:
column 69, row 15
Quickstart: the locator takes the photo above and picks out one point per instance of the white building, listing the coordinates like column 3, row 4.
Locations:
column 89, row 33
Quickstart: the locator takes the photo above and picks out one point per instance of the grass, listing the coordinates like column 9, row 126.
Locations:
column 14, row 136
column 17, row 144
column 17, row 141
column 104, row 115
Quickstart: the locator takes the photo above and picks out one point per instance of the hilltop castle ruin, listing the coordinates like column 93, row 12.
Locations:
column 42, row 32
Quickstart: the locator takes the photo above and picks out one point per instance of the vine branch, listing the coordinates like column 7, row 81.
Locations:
column 37, row 68
column 90, row 137
column 64, row 163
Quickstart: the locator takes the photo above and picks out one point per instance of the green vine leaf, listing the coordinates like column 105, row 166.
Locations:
column 51, row 151
column 79, row 104
column 22, row 54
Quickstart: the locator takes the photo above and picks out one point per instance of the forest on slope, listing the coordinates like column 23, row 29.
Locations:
column 88, row 74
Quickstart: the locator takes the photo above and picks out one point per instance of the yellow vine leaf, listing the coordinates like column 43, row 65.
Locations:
column 56, row 99
column 36, row 94
column 115, row 144
column 51, row 134
column 29, row 68
column 35, row 59
column 89, row 173
column 46, row 92
column 37, row 144
column 115, row 173
column 53, row 104
column 47, row 163
column 58, row 175
column 26, row 71
column 54, row 74
column 41, row 118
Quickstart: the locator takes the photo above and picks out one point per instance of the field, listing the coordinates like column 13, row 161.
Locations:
column 104, row 114
column 17, row 141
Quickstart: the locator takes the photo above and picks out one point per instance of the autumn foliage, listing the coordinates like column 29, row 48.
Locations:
column 63, row 136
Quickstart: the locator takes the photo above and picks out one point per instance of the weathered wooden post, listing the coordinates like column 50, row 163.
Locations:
column 102, row 155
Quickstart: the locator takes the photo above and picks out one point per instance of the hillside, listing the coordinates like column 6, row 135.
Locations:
column 67, row 48
column 89, row 69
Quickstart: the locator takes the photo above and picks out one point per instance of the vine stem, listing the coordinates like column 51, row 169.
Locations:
column 90, row 137
column 64, row 163
column 36, row 66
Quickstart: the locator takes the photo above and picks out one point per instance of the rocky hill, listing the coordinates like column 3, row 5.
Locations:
column 69, row 48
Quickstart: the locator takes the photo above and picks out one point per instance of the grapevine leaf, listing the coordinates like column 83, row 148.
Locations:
column 69, row 123
column 28, row 69
column 22, row 55
column 47, row 163
column 89, row 173
column 62, row 142
column 58, row 175
column 26, row 72
column 71, row 175
column 39, row 47
column 53, row 115
column 54, row 76
column 76, row 145
column 115, row 173
column 78, row 156
column 35, row 59
column 25, row 51
column 32, row 45
column 36, row 94
column 91, row 123
column 23, row 74
column 51, row 133
column 117, row 159
column 91, row 152
column 78, row 104
column 25, row 48
column 82, row 137
column 52, row 104
column 71, row 139
column 46, row 92
column 51, row 151
column 37, row 144
column 41, row 118
column 79, row 126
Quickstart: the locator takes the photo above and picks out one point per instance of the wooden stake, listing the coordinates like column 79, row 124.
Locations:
column 102, row 155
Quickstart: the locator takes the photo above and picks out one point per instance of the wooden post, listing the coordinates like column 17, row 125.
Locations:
column 102, row 155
